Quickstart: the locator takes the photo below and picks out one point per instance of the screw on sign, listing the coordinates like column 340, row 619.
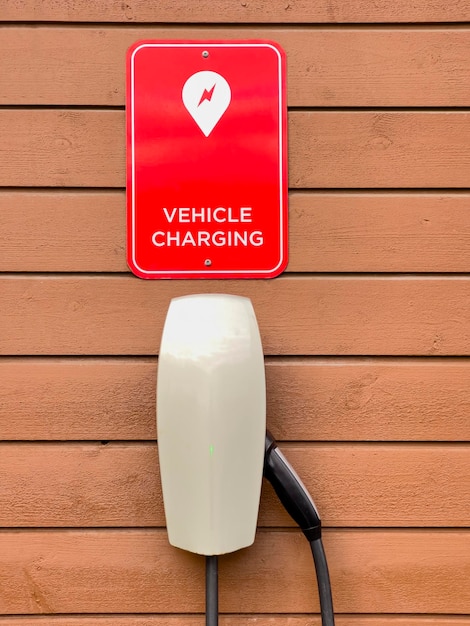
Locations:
column 206, row 159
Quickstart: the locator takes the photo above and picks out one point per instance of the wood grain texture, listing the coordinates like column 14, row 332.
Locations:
column 311, row 399
column 328, row 149
column 118, row 485
column 103, row 556
column 394, row 232
column 137, row 571
column 379, row 149
column 60, row 231
column 113, row 315
column 62, row 148
column 229, row 11
column 326, row 67
column 63, row 231
column 233, row 620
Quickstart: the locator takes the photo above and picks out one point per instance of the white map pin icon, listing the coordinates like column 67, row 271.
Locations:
column 206, row 96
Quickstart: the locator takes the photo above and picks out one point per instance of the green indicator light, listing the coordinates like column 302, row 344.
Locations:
column 211, row 450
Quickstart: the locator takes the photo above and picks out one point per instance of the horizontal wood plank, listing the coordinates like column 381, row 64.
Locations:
column 63, row 231
column 228, row 11
column 59, row 231
column 379, row 149
column 114, row 315
column 326, row 67
column 62, row 148
column 311, row 399
column 234, row 620
column 137, row 571
column 77, row 148
column 354, row 485
column 394, row 232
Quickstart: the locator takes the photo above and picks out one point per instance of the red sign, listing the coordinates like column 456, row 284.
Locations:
column 206, row 159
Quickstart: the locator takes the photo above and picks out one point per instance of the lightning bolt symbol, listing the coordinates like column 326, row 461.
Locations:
column 206, row 95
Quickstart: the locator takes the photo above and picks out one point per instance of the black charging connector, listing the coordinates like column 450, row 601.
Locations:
column 290, row 490
column 300, row 506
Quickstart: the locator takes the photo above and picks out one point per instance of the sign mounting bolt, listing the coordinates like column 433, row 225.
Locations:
column 205, row 54
column 207, row 262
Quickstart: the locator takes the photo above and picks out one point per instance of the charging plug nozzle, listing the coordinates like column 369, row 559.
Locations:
column 290, row 490
column 298, row 503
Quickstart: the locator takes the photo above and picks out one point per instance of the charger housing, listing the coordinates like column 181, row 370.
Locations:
column 211, row 422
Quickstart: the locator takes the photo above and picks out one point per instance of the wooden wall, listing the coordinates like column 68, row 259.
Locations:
column 367, row 334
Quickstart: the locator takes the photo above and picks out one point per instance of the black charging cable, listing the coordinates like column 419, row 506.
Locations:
column 300, row 506
column 212, row 591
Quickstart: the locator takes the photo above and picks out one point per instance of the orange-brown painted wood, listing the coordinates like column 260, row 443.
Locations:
column 378, row 149
column 63, row 231
column 63, row 148
column 86, row 148
column 114, row 315
column 354, row 485
column 326, row 67
column 399, row 572
column 308, row 399
column 228, row 11
column 393, row 232
column 137, row 571
column 60, row 231
column 234, row 620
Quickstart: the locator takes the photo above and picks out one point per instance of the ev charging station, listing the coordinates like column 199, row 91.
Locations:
column 207, row 198
column 211, row 408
